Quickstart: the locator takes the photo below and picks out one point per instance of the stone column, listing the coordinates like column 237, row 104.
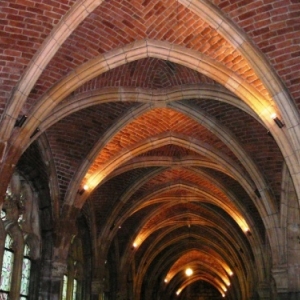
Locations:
column 59, row 269
column 97, row 289
column 264, row 291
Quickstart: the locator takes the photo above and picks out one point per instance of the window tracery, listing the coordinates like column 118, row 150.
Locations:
column 19, row 216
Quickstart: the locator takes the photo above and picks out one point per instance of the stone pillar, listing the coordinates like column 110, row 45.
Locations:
column 59, row 269
column 122, row 295
column 97, row 289
column 264, row 291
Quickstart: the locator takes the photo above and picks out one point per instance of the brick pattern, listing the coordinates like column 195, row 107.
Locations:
column 114, row 24
column 84, row 129
column 24, row 24
column 274, row 26
column 179, row 175
column 149, row 73
column 240, row 193
column 173, row 151
column 253, row 136
column 106, row 197
column 151, row 124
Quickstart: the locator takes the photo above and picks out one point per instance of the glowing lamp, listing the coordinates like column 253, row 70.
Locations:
column 188, row 272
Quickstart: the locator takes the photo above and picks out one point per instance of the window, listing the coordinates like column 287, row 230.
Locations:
column 26, row 266
column 7, row 267
column 64, row 290
column 20, row 219
column 74, row 289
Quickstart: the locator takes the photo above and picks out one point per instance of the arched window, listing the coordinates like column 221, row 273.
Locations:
column 64, row 289
column 7, row 267
column 74, row 289
column 19, row 217
column 26, row 266
column 72, row 281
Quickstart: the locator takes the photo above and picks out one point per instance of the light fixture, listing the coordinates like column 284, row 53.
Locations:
column 166, row 280
column 189, row 272
column 82, row 190
column 277, row 120
column 134, row 245
column 21, row 121
column 257, row 193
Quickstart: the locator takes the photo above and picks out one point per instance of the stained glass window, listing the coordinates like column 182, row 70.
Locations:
column 25, row 272
column 7, row 266
column 74, row 289
column 3, row 217
column 64, row 291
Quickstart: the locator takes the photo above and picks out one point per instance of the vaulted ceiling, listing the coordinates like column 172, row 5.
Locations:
column 162, row 109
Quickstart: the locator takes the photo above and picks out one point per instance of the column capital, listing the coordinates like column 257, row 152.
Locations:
column 280, row 275
column 59, row 269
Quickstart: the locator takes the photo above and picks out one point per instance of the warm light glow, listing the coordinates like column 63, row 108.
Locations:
column 223, row 295
column 85, row 187
column 228, row 283
column 178, row 292
column 230, row 273
column 188, row 272
column 166, row 280
column 273, row 116
column 134, row 245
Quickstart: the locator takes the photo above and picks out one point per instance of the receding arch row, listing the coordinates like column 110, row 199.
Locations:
column 105, row 95
column 205, row 217
column 203, row 119
column 202, row 277
column 191, row 255
column 199, row 247
column 114, row 217
column 232, row 260
column 155, row 198
column 176, row 93
column 200, row 268
column 196, row 147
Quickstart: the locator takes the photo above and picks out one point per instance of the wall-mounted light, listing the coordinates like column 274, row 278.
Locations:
column 82, row 190
column 277, row 120
column 21, row 121
column 257, row 193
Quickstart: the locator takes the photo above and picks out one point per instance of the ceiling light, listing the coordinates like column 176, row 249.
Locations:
column 189, row 272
